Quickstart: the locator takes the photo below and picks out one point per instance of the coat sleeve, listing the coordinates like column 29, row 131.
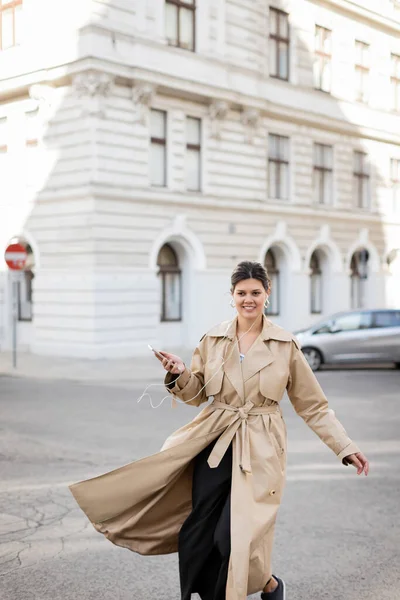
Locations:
column 189, row 386
column 310, row 403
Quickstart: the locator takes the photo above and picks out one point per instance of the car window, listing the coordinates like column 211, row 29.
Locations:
column 352, row 321
column 325, row 328
column 387, row 319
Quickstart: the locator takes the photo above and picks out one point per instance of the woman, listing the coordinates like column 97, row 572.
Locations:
column 214, row 490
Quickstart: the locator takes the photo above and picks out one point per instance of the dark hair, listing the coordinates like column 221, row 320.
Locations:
column 250, row 270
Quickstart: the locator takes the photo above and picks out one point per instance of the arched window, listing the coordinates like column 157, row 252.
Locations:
column 316, row 284
column 171, row 284
column 273, row 274
column 359, row 276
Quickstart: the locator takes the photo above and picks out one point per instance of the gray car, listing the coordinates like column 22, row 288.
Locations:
column 370, row 336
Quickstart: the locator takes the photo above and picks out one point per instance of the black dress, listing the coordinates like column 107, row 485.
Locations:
column 204, row 539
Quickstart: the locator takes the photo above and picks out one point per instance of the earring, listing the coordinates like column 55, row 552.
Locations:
column 266, row 304
column 231, row 303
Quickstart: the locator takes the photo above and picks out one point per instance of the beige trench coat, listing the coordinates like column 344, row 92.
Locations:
column 143, row 505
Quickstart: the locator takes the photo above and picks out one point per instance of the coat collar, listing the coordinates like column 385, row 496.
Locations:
column 259, row 355
column 227, row 329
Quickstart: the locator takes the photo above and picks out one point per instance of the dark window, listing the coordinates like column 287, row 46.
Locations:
column 322, row 175
column 10, row 27
column 180, row 23
column 395, row 81
column 323, row 59
column 386, row 319
column 278, row 167
column 316, row 284
column 158, row 151
column 359, row 276
column 24, row 285
column 171, row 284
column 361, row 175
column 278, row 44
column 273, row 274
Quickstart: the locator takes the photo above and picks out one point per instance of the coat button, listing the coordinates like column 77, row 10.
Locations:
column 272, row 493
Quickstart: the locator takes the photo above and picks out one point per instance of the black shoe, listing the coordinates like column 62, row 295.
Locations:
column 278, row 593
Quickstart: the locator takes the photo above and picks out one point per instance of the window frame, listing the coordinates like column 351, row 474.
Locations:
column 279, row 162
column 321, row 56
column 274, row 276
column 362, row 69
column 324, row 170
column 12, row 4
column 29, row 287
column 361, row 176
column 197, row 148
column 316, row 272
column 277, row 39
column 182, row 4
column 163, row 271
column 395, row 80
column 160, row 142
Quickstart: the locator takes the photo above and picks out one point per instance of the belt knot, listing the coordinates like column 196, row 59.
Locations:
column 242, row 414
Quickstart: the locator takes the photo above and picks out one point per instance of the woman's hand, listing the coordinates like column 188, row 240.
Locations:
column 358, row 461
column 172, row 363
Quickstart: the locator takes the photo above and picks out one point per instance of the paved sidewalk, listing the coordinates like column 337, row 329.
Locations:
column 126, row 372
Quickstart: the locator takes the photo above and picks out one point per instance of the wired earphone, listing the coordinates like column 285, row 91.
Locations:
column 224, row 360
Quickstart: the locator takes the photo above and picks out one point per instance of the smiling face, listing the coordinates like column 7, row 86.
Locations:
column 249, row 297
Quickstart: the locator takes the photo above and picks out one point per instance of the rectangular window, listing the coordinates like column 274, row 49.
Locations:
column 10, row 26
column 25, row 296
column 193, row 154
column 395, row 81
column 395, row 184
column 323, row 174
column 361, row 175
column 361, row 71
column 322, row 59
column 316, row 293
column 278, row 44
column 180, row 23
column 278, row 167
column 158, row 149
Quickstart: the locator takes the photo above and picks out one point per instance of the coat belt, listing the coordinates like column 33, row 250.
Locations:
column 239, row 422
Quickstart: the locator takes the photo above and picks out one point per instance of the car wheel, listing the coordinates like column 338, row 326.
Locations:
column 314, row 358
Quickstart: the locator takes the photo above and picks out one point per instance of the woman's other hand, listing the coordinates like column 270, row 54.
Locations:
column 358, row 461
column 172, row 363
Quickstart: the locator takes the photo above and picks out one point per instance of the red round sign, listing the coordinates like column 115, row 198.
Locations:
column 15, row 256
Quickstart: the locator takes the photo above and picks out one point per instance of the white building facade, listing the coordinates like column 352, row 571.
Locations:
column 147, row 146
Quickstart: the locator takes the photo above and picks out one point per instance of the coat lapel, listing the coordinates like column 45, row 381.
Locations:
column 232, row 367
column 258, row 357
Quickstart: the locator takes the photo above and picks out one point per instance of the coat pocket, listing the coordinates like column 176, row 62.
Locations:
column 277, row 434
column 213, row 376
column 272, row 384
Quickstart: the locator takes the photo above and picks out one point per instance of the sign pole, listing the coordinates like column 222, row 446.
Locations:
column 15, row 257
column 14, row 319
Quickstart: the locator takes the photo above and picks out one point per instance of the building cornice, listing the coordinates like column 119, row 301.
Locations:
column 170, row 198
column 354, row 9
column 299, row 113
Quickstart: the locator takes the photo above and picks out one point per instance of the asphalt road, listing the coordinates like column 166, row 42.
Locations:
column 338, row 535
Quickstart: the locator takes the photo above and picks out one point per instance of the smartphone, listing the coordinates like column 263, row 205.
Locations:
column 156, row 352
